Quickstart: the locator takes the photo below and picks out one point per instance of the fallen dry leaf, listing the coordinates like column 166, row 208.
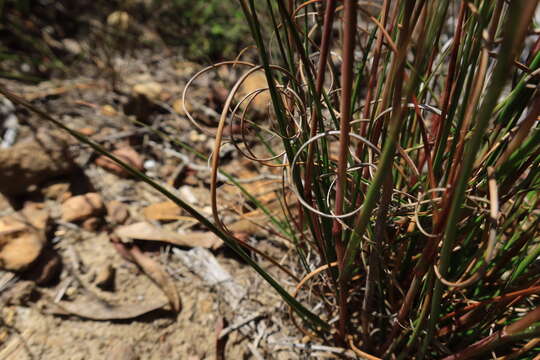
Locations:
column 159, row 276
column 146, row 231
column 254, row 222
column 99, row 310
column 166, row 210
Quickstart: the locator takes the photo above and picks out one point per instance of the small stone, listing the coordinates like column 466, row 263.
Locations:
column 150, row 164
column 72, row 46
column 32, row 162
column 195, row 136
column 108, row 110
column 8, row 316
column 150, row 89
column 119, row 20
column 4, row 335
column 57, row 191
column 20, row 251
column 178, row 106
column 71, row 291
column 186, row 68
column 22, row 237
column 88, row 131
column 126, row 154
column 122, row 351
column 118, row 212
column 253, row 83
column 82, row 207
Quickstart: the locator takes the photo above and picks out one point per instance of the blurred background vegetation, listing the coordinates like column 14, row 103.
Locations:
column 46, row 38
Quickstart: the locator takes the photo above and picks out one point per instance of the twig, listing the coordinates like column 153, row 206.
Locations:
column 226, row 331
column 7, row 279
column 63, row 288
column 309, row 346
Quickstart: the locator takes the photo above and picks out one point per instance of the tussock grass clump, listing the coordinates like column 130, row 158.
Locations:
column 407, row 132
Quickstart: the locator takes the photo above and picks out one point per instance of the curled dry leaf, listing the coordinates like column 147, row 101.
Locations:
column 146, row 231
column 159, row 276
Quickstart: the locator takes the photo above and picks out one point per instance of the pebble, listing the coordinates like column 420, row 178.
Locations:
column 117, row 211
column 126, row 154
column 82, row 207
column 22, row 237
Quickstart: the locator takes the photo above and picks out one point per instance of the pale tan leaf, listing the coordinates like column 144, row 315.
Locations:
column 146, row 231
column 166, row 210
column 159, row 276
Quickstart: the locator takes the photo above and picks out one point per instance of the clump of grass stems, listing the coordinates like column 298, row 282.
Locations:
column 408, row 132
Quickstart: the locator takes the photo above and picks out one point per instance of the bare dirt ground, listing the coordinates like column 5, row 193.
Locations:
column 90, row 297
